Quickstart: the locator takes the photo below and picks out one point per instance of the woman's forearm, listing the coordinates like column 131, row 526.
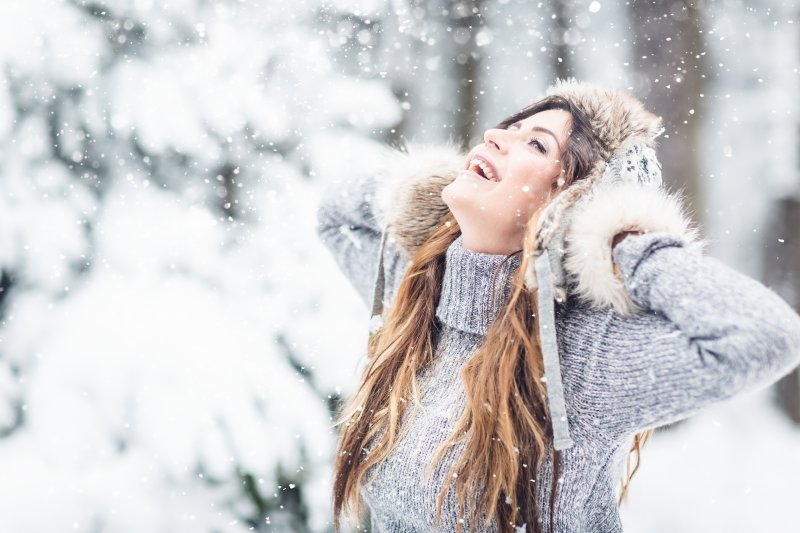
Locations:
column 705, row 333
column 347, row 224
column 726, row 314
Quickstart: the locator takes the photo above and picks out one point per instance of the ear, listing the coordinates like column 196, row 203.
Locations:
column 409, row 197
column 612, row 209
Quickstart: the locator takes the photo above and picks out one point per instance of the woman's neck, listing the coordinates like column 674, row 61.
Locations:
column 487, row 243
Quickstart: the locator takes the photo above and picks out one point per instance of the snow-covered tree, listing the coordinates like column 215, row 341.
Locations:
column 168, row 350
column 174, row 338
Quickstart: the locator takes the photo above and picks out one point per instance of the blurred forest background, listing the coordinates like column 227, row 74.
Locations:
column 173, row 336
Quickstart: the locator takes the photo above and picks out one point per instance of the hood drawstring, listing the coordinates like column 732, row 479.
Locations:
column 376, row 318
column 552, row 368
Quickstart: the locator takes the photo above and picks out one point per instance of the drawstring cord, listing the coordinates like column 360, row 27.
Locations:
column 552, row 369
column 376, row 318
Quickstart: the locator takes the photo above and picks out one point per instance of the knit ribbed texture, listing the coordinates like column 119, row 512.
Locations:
column 469, row 302
column 708, row 333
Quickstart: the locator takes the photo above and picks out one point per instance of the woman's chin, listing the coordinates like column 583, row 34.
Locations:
column 466, row 188
column 472, row 177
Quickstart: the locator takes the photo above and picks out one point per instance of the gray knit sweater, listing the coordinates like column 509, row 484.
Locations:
column 709, row 333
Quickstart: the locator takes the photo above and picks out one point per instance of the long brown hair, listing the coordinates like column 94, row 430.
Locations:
column 506, row 419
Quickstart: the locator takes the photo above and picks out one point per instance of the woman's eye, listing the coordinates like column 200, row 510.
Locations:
column 539, row 145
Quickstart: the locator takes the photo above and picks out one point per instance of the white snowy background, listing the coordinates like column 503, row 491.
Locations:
column 174, row 337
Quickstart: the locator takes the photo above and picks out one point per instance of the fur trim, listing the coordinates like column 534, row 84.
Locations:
column 590, row 211
column 595, row 221
column 409, row 197
column 617, row 118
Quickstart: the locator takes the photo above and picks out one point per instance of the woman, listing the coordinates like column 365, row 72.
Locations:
column 547, row 306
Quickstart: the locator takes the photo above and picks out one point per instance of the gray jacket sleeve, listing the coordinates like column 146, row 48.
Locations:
column 347, row 225
column 707, row 333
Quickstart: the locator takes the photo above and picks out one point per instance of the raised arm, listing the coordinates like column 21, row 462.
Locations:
column 707, row 333
column 346, row 224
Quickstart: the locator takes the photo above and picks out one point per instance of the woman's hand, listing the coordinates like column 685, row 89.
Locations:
column 619, row 237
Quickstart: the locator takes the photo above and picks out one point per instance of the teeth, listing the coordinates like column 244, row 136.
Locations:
column 487, row 171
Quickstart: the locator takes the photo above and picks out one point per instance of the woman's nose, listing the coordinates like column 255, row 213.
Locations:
column 495, row 138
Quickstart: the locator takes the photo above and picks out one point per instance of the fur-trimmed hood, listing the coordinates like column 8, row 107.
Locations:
column 408, row 201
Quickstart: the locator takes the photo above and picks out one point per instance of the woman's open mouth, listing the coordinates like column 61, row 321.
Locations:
column 483, row 168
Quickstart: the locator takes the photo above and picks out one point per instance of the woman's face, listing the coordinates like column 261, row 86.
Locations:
column 507, row 178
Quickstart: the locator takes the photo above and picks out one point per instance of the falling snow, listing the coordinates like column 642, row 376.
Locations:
column 173, row 337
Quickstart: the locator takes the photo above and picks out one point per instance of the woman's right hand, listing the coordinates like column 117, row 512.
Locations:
column 619, row 237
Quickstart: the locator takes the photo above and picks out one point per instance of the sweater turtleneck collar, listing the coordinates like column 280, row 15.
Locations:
column 467, row 302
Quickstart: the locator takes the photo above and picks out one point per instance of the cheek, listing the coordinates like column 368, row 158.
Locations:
column 524, row 196
column 540, row 181
column 511, row 202
column 522, row 203
column 530, row 187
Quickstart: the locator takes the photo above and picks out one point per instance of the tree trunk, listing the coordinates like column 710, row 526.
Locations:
column 560, row 36
column 466, row 18
column 667, row 48
column 782, row 274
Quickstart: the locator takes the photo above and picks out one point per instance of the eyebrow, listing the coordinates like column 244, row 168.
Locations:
column 543, row 130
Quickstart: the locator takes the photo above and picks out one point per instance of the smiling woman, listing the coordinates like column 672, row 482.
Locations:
column 518, row 165
column 526, row 349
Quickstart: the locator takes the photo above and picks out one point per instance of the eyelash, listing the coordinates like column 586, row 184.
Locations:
column 534, row 140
